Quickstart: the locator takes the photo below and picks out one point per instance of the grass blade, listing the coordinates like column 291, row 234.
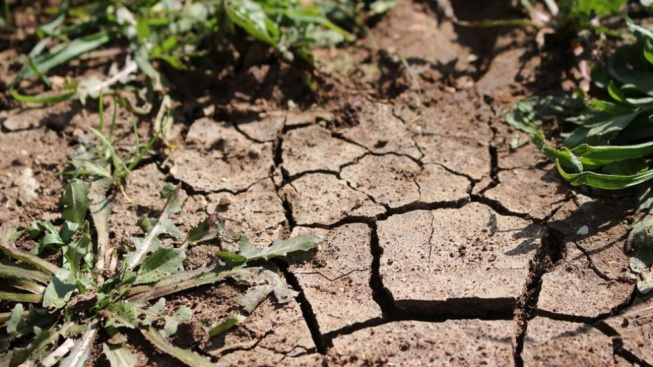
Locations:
column 68, row 52
column 42, row 99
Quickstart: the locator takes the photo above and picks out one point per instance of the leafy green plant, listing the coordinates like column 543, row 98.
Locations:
column 60, row 311
column 175, row 33
column 608, row 144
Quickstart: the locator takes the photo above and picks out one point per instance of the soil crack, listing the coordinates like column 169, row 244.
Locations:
column 305, row 306
column 549, row 253
column 618, row 345
column 615, row 311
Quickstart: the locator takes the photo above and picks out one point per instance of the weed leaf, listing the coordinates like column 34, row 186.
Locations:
column 154, row 312
column 278, row 247
column 10, row 270
column 163, row 225
column 16, row 320
column 225, row 325
column 171, row 192
column 122, row 314
column 204, row 231
column 270, row 282
column 78, row 250
column 100, row 208
column 119, row 356
column 60, row 289
column 75, row 201
column 182, row 315
column 12, row 251
column 162, row 263
column 250, row 16
column 186, row 356
column 81, row 351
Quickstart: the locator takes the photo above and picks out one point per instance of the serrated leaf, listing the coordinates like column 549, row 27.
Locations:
column 254, row 296
column 170, row 229
column 36, row 349
column 75, row 201
column 60, row 289
column 183, row 314
column 269, row 282
column 154, row 313
column 122, row 314
column 150, row 242
column 146, row 224
column 119, row 356
column 282, row 291
column 160, row 264
column 38, row 227
column 39, row 346
column 278, row 247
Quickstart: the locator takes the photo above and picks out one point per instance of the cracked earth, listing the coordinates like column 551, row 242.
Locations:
column 442, row 245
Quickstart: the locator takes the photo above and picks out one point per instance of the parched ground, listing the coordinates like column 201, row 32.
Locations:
column 443, row 246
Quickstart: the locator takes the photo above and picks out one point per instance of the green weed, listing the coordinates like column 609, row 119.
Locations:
column 607, row 144
column 70, row 305
column 179, row 34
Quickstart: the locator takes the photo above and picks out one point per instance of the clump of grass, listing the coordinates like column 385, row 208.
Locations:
column 608, row 143
column 179, row 34
column 97, row 290
column 60, row 310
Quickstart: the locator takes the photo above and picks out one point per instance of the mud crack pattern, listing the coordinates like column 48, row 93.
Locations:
column 443, row 246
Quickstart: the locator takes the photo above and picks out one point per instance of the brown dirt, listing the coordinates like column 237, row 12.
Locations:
column 442, row 245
